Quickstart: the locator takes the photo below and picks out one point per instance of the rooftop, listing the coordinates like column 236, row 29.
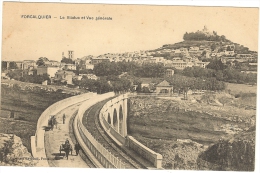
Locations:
column 164, row 84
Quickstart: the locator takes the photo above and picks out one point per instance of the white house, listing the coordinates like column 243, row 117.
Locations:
column 50, row 70
column 69, row 67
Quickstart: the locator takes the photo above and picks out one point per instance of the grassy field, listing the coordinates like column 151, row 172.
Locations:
column 238, row 88
column 246, row 94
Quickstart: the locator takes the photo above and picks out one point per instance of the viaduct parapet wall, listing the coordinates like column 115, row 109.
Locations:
column 113, row 118
column 37, row 141
column 98, row 154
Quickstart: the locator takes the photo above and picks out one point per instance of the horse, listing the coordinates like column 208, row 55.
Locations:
column 66, row 148
column 50, row 123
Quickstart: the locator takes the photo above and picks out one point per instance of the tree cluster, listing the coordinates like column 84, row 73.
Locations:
column 113, row 68
column 41, row 61
column 180, row 82
column 21, row 75
column 38, row 79
column 216, row 69
column 15, row 74
column 104, row 84
column 198, row 36
column 67, row 60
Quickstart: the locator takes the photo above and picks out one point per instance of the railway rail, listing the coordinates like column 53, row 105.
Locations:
column 91, row 122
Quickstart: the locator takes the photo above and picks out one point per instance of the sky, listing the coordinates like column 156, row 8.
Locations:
column 132, row 28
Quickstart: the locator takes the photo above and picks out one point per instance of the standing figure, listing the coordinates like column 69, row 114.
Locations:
column 67, row 149
column 54, row 122
column 67, row 141
column 50, row 122
column 77, row 148
column 64, row 118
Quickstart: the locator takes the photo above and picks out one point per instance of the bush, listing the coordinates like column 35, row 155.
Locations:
column 237, row 95
column 248, row 95
column 20, row 118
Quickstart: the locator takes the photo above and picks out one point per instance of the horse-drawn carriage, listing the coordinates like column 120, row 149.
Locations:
column 66, row 148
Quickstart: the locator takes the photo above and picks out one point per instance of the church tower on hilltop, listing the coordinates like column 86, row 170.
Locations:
column 205, row 29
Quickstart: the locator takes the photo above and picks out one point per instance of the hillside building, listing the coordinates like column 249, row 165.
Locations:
column 69, row 67
column 64, row 76
column 164, row 88
column 169, row 72
column 49, row 70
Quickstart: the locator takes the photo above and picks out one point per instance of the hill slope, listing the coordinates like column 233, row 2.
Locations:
column 236, row 154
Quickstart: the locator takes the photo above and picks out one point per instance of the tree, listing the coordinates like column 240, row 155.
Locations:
column 213, row 46
column 150, row 70
column 121, row 84
column 35, row 78
column 224, row 100
column 102, row 86
column 67, row 60
column 204, row 53
column 145, row 89
column 107, row 68
column 17, row 89
column 12, row 65
column 16, row 74
column 185, row 36
column 188, row 72
column 208, row 97
column 219, row 75
column 4, row 65
column 223, row 38
column 229, row 48
column 41, row 61
column 216, row 65
column 85, row 71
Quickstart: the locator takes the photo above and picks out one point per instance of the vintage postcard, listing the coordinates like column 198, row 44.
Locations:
column 158, row 87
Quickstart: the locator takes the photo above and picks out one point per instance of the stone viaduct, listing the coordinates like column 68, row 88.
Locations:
column 115, row 114
column 113, row 119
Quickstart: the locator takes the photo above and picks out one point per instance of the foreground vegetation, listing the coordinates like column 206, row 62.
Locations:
column 20, row 109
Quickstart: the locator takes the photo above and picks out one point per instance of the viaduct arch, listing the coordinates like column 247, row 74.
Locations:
column 115, row 114
column 113, row 118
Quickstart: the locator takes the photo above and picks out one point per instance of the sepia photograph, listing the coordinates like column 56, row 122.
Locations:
column 124, row 86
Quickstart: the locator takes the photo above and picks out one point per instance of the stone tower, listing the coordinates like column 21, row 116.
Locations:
column 70, row 54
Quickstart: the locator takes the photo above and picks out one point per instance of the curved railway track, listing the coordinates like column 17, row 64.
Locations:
column 91, row 122
column 73, row 138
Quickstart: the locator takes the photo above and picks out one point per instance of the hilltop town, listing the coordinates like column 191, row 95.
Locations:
column 198, row 49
